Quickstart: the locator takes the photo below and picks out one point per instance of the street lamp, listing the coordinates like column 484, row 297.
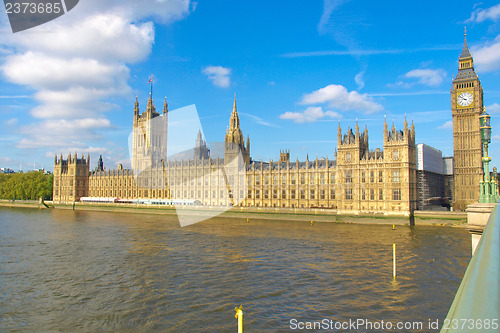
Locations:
column 488, row 188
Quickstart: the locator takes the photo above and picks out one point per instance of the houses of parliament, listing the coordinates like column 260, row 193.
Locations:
column 359, row 180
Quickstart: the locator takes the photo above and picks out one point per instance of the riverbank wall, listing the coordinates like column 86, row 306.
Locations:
column 439, row 218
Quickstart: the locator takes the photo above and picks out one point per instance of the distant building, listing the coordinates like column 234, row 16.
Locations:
column 431, row 179
column 448, row 177
column 6, row 170
column 46, row 172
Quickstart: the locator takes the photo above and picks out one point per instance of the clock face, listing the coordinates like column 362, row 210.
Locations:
column 465, row 99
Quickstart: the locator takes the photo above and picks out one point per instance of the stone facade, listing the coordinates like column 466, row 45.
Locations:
column 71, row 178
column 467, row 149
column 358, row 181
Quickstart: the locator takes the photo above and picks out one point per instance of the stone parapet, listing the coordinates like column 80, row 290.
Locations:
column 477, row 218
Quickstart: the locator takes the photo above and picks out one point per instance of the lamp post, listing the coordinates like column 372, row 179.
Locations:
column 488, row 187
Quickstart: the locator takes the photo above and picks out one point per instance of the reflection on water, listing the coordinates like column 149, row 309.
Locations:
column 89, row 271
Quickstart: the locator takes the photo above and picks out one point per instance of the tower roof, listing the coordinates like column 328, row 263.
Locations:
column 465, row 51
column 235, row 112
column 234, row 122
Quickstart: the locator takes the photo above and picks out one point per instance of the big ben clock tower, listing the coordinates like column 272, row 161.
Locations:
column 466, row 106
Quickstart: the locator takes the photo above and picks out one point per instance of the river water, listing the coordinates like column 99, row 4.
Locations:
column 63, row 270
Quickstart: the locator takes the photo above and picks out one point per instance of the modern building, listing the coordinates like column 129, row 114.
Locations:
column 466, row 106
column 449, row 187
column 434, row 184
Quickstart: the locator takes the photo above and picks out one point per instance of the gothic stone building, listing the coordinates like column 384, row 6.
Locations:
column 359, row 180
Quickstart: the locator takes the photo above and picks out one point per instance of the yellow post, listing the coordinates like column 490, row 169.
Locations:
column 312, row 222
column 394, row 260
column 239, row 315
column 393, row 227
column 247, row 219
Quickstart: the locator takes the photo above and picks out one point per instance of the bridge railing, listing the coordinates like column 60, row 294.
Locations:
column 476, row 304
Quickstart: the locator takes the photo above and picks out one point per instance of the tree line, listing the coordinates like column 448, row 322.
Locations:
column 26, row 186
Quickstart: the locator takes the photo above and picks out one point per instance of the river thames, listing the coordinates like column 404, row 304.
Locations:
column 63, row 270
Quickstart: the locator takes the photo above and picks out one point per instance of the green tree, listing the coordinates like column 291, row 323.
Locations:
column 26, row 186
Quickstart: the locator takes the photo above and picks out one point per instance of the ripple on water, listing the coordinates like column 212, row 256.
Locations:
column 90, row 271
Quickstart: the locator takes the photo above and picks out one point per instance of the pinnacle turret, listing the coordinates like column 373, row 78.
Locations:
column 165, row 106
column 465, row 50
column 234, row 123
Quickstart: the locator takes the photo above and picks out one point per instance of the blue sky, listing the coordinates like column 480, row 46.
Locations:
column 297, row 68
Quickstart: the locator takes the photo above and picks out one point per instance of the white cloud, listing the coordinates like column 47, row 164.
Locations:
column 310, row 115
column 340, row 98
column 100, row 36
column 258, row 120
column 78, row 61
column 5, row 160
column 366, row 52
column 79, row 150
column 62, row 133
column 360, row 80
column 493, row 108
column 11, row 122
column 447, row 125
column 487, row 55
column 329, row 7
column 53, row 73
column 425, row 76
column 481, row 15
column 220, row 76
column 429, row 77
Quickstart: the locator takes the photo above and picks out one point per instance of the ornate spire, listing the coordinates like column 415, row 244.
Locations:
column 151, row 110
column 465, row 51
column 234, row 122
column 405, row 123
column 136, row 107
column 165, row 106
column 386, row 134
column 199, row 139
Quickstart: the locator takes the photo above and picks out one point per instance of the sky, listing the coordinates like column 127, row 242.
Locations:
column 298, row 68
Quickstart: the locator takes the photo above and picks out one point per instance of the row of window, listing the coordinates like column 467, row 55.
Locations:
column 396, row 194
column 323, row 179
column 396, row 176
column 465, row 64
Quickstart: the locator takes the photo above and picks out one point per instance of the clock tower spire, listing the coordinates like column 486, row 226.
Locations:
column 466, row 106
